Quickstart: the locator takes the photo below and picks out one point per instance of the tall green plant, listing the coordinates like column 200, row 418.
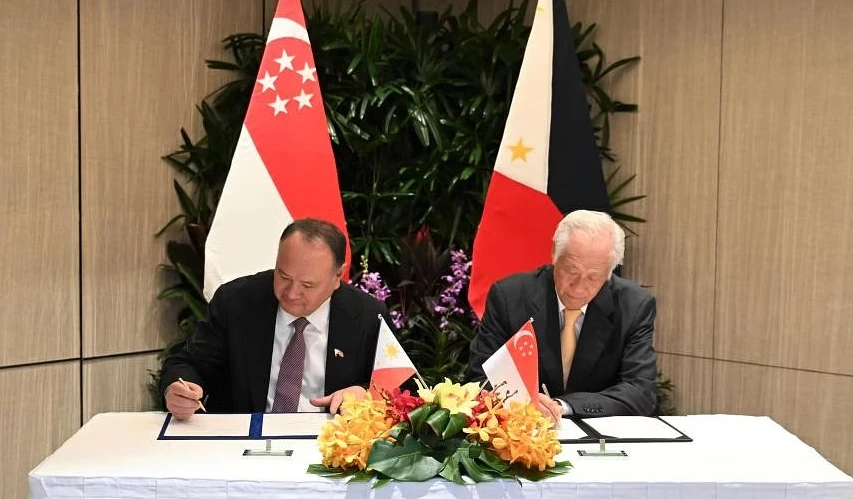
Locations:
column 415, row 114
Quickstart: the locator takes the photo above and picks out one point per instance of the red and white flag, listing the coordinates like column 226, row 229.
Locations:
column 515, row 366
column 391, row 366
column 283, row 167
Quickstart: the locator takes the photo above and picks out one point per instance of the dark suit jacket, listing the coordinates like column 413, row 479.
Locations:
column 231, row 351
column 614, row 367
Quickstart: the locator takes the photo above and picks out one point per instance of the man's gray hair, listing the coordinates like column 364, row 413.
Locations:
column 592, row 223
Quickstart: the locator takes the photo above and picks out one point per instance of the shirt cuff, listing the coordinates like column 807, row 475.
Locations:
column 567, row 409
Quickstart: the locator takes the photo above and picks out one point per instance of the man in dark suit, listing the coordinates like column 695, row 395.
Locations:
column 593, row 329
column 291, row 339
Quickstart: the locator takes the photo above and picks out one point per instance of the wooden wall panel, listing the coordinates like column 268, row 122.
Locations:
column 41, row 409
column 692, row 378
column 117, row 384
column 488, row 10
column 786, row 186
column 814, row 406
column 143, row 73
column 39, row 252
column 672, row 146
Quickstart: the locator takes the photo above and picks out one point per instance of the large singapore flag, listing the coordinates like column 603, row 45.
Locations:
column 283, row 167
column 548, row 163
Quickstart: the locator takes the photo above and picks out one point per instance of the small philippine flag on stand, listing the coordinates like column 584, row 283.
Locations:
column 391, row 366
column 515, row 366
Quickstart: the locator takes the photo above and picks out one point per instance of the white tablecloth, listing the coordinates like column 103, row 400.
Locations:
column 117, row 455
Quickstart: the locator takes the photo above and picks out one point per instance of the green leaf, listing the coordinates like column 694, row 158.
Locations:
column 450, row 471
column 454, row 426
column 473, row 470
column 192, row 279
column 627, row 218
column 185, row 201
column 337, row 473
column 438, row 421
column 399, row 430
column 619, row 188
column 488, row 458
column 361, row 476
column 169, row 224
column 407, row 462
column 419, row 416
column 619, row 202
column 381, row 482
column 618, row 64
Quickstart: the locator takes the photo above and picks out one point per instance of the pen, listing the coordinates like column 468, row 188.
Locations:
column 545, row 391
column 200, row 405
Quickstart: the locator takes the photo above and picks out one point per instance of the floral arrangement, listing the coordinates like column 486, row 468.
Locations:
column 458, row 432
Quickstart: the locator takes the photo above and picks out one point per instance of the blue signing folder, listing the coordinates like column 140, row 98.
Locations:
column 244, row 426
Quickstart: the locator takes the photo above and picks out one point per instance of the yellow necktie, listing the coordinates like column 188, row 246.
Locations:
column 568, row 341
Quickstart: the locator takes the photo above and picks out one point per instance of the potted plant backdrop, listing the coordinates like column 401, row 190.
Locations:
column 412, row 127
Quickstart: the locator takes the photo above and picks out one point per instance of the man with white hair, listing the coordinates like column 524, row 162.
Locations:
column 593, row 329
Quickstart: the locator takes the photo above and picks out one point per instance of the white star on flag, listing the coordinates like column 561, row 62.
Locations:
column 304, row 99
column 307, row 73
column 285, row 61
column 279, row 105
column 268, row 82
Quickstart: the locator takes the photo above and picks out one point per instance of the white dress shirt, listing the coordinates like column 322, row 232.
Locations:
column 316, row 338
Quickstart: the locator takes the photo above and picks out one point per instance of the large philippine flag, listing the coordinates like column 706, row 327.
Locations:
column 548, row 163
column 514, row 368
column 283, row 167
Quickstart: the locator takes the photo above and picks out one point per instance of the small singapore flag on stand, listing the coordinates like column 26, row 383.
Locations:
column 515, row 366
column 391, row 366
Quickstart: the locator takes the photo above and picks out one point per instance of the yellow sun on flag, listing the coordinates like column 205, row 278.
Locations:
column 391, row 351
column 519, row 151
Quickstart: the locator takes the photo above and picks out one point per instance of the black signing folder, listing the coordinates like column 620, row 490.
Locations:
column 622, row 429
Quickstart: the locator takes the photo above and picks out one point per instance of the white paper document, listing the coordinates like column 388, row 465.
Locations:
column 569, row 430
column 302, row 424
column 210, row 425
column 632, row 427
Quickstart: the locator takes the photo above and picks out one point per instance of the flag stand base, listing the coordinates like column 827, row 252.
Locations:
column 601, row 452
column 268, row 451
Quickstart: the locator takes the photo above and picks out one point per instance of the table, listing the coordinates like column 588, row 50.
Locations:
column 117, row 455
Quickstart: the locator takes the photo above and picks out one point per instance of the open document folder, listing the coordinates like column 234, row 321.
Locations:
column 626, row 429
column 303, row 425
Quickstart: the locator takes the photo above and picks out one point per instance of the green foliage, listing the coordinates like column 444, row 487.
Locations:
column 416, row 113
column 422, row 283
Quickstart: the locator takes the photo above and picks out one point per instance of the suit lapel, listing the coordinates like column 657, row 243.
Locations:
column 258, row 341
column 344, row 318
column 595, row 334
column 547, row 326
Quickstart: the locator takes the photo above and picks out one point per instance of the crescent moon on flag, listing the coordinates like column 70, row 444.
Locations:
column 283, row 27
column 520, row 336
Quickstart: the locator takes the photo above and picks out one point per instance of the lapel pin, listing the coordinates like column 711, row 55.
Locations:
column 338, row 353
